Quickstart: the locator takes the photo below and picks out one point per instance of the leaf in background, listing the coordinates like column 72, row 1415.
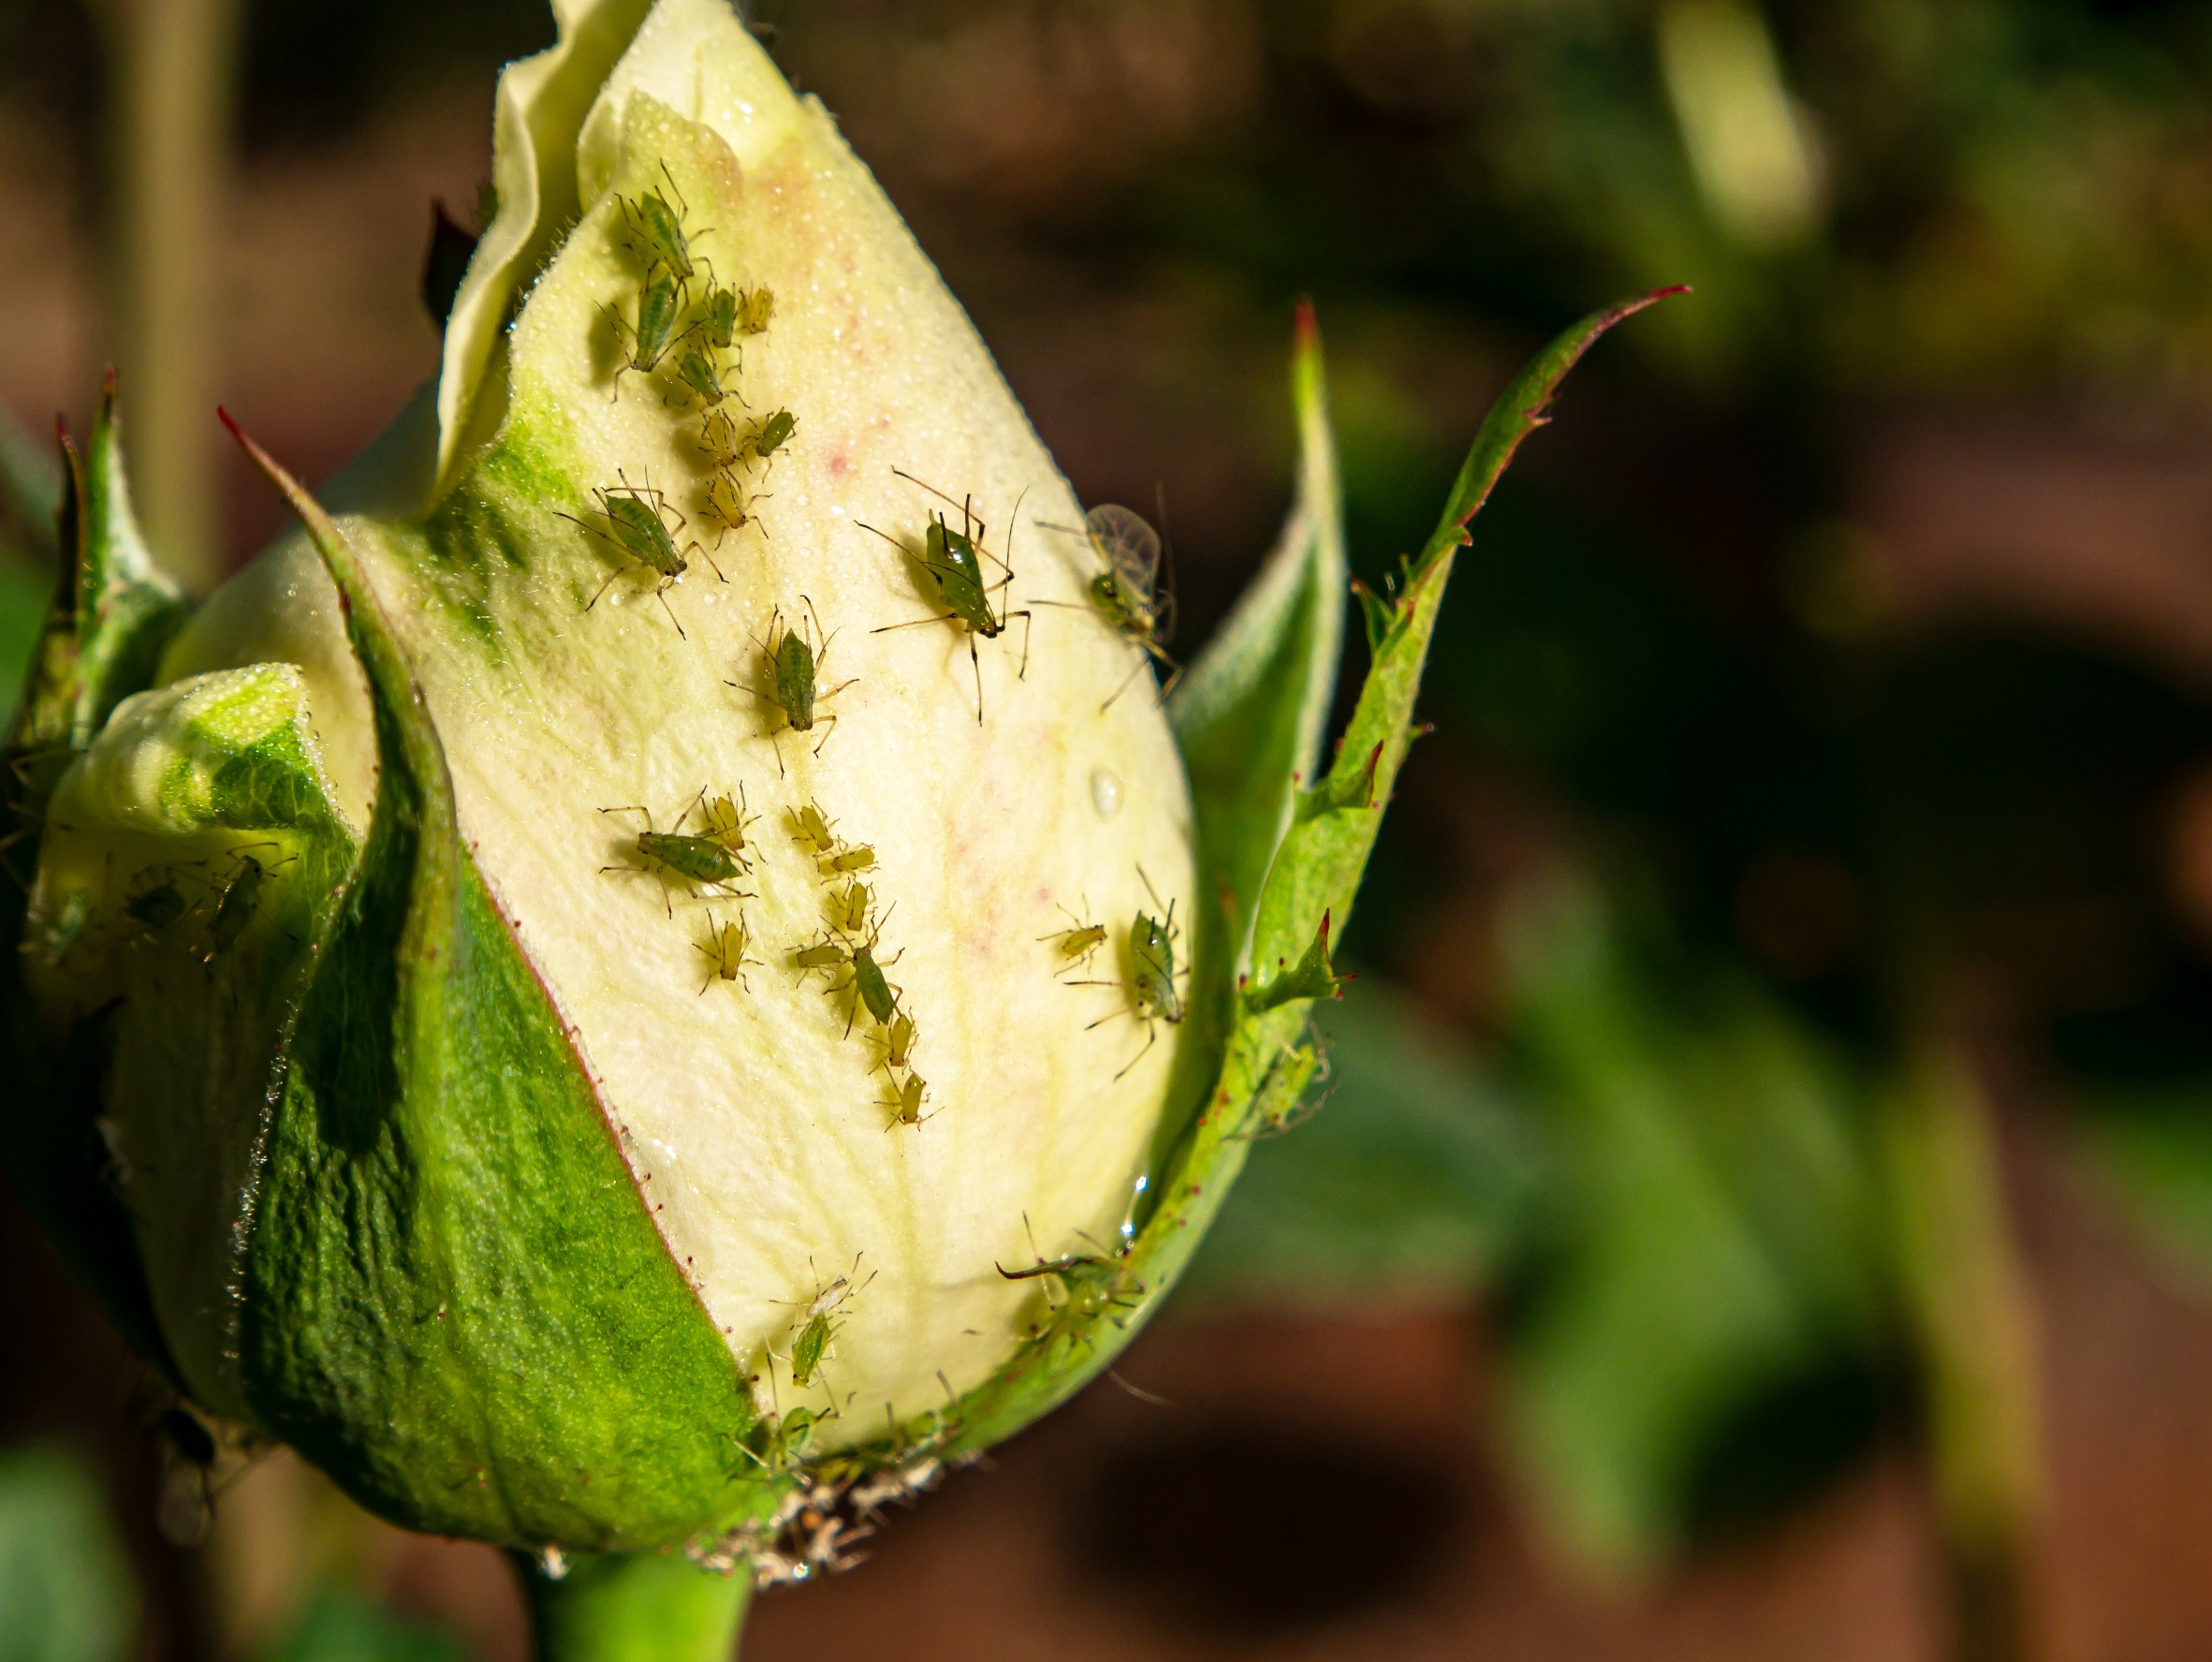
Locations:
column 65, row 1593
column 30, row 495
column 1713, row 1227
column 337, row 1628
column 24, row 592
column 2151, row 1146
column 1415, row 1182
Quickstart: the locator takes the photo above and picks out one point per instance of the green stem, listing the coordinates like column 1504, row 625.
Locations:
column 649, row 1607
column 1973, row 1311
column 171, row 82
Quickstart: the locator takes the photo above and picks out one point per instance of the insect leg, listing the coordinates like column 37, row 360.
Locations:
column 660, row 594
column 1127, row 681
column 1151, row 1037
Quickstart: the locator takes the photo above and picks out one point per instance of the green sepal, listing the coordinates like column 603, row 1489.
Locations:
column 113, row 611
column 1314, row 977
column 1318, row 866
column 1380, row 614
column 1249, row 717
column 455, row 1299
column 1102, row 1300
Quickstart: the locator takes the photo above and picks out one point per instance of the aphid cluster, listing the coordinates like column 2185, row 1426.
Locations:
column 200, row 909
column 847, row 952
column 685, row 335
column 1152, row 975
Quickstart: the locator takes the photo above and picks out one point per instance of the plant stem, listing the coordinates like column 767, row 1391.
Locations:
column 643, row 1608
column 1974, row 1319
column 170, row 93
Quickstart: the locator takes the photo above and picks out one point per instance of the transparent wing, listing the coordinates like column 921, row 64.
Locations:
column 1128, row 543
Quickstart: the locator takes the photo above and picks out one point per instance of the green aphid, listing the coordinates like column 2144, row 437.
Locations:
column 670, row 854
column 812, row 827
column 848, row 909
column 701, row 858
column 725, row 948
column 722, row 441
column 794, row 1430
column 758, row 307
column 859, row 857
column 870, row 992
column 239, row 900
column 701, row 377
column 659, row 303
column 898, row 1041
column 954, row 562
column 638, row 529
column 875, row 993
column 1088, row 1284
column 1154, row 995
column 817, row 1328
column 156, row 908
column 1078, row 944
column 1153, row 968
column 730, row 506
column 793, row 656
column 68, row 926
column 768, row 434
column 824, row 954
column 660, row 228
column 905, row 1100
column 725, row 820
column 794, row 662
column 806, row 1350
column 718, row 316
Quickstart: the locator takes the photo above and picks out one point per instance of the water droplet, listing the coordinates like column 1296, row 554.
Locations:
column 1106, row 793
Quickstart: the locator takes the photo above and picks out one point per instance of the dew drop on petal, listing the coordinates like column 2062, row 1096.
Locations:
column 1106, row 793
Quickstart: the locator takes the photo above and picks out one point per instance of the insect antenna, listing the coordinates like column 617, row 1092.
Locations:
column 967, row 508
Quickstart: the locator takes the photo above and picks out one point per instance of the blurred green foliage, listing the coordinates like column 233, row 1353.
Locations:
column 1415, row 1178
column 338, row 1627
column 65, row 1590
column 1711, row 1246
